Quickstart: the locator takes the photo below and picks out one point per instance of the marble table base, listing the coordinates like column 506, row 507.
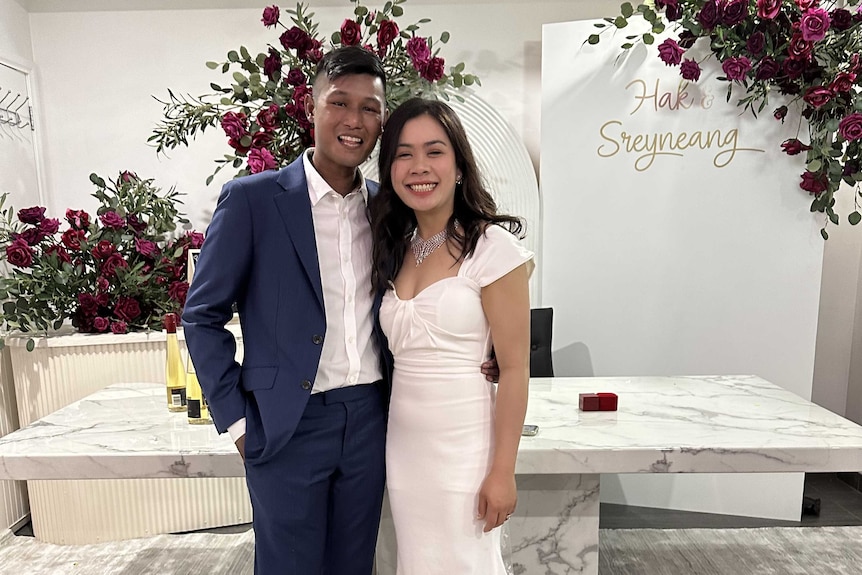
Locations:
column 555, row 530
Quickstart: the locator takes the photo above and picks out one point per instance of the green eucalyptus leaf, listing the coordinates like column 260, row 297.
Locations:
column 593, row 39
column 824, row 234
column 626, row 9
column 648, row 38
column 854, row 218
column 444, row 37
column 620, row 22
column 212, row 65
column 232, row 56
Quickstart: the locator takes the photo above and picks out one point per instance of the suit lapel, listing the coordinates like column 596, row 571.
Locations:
column 294, row 207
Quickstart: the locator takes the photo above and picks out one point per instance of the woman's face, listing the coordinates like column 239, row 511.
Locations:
column 424, row 172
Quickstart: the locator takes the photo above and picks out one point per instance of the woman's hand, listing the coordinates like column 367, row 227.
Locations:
column 497, row 499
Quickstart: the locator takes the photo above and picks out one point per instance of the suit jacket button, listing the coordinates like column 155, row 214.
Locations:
column 306, row 384
column 317, row 339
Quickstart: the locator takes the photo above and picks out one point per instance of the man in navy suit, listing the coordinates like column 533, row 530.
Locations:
column 306, row 408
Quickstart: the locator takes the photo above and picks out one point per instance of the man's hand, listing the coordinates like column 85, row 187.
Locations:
column 240, row 446
column 491, row 370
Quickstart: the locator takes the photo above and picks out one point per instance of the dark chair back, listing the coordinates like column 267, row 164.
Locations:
column 541, row 330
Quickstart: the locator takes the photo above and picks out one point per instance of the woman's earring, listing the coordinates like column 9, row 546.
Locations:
column 458, row 181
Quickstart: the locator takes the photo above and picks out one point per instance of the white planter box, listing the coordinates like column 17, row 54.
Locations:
column 66, row 367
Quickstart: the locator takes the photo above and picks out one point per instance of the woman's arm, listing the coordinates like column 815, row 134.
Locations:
column 507, row 306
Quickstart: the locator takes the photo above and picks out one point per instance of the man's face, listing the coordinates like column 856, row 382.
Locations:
column 347, row 113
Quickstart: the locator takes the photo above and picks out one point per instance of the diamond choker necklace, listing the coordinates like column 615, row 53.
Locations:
column 424, row 248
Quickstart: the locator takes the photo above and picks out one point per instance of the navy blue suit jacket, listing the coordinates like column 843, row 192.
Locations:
column 260, row 252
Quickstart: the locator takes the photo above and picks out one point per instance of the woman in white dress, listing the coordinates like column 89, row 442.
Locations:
column 455, row 279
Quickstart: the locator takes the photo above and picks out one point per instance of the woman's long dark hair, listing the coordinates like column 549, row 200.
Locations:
column 393, row 223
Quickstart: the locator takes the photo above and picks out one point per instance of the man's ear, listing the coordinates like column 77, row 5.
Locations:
column 308, row 104
column 383, row 123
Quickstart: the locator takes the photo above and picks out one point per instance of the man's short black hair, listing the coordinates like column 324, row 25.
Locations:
column 350, row 60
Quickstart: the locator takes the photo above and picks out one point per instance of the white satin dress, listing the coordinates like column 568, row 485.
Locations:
column 440, row 436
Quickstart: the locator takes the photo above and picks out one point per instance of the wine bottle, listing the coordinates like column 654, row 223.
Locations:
column 175, row 376
column 198, row 412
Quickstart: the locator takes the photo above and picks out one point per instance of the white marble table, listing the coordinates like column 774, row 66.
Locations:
column 664, row 425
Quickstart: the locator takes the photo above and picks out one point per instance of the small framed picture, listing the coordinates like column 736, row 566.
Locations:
column 193, row 260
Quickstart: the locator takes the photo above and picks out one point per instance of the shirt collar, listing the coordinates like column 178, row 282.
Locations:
column 317, row 186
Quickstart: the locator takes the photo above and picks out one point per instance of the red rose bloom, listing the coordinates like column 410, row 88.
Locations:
column 119, row 327
column 127, row 308
column 793, row 147
column 817, row 96
column 177, row 291
column 19, row 254
column 351, row 32
column 850, row 127
column 101, row 324
column 386, row 33
column 72, row 239
column 270, row 16
column 110, row 265
column 813, row 183
column 690, row 70
column 433, row 70
column 103, row 249
column 31, row 215
column 670, row 52
column 78, row 219
column 768, row 9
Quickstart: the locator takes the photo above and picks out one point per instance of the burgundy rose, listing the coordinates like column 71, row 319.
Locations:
column 351, row 32
column 146, row 248
column 814, row 183
column 799, row 48
column 841, row 19
column 32, row 215
column 261, row 139
column 136, row 223
column 313, row 52
column 793, row 147
column 767, row 69
column 736, row 68
column 690, row 70
column 672, row 10
column 110, row 265
column 129, row 177
column 238, row 147
column 299, row 94
column 112, row 220
column 177, row 291
column 272, row 64
column 418, row 50
column 687, row 39
column 127, row 308
column 780, row 113
column 235, row 125
column 814, row 24
column 670, row 52
column 433, row 70
column 296, row 77
column 386, row 33
column 32, row 236
column 843, row 82
column 101, row 323
column 87, row 303
column 850, row 127
column 755, row 43
column 294, row 39
column 793, row 69
column 270, row 16
column 806, row 4
column 78, row 219
column 195, row 239
column 102, row 299
column 268, row 117
column 119, row 327
column 817, row 96
column 768, row 9
column 19, row 254
column 260, row 159
column 72, row 239
column 735, row 11
column 59, row 251
column 49, row 226
column 102, row 283
column 710, row 14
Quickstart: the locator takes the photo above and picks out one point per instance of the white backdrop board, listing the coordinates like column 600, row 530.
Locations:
column 676, row 241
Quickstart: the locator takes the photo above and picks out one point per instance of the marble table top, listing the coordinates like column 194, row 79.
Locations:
column 663, row 425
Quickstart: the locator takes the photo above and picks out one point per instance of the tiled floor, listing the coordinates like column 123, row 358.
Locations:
column 840, row 504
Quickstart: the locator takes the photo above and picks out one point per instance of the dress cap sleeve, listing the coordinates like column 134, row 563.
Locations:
column 497, row 253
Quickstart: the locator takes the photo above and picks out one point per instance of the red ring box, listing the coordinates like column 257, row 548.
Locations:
column 597, row 401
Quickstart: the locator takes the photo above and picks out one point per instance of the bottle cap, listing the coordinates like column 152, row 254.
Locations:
column 170, row 322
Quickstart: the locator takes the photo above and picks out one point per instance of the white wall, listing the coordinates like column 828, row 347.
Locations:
column 15, row 46
column 98, row 70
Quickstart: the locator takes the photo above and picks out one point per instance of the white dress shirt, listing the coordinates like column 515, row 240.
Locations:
column 343, row 237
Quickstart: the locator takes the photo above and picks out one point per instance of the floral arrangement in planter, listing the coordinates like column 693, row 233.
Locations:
column 807, row 51
column 117, row 271
column 262, row 112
